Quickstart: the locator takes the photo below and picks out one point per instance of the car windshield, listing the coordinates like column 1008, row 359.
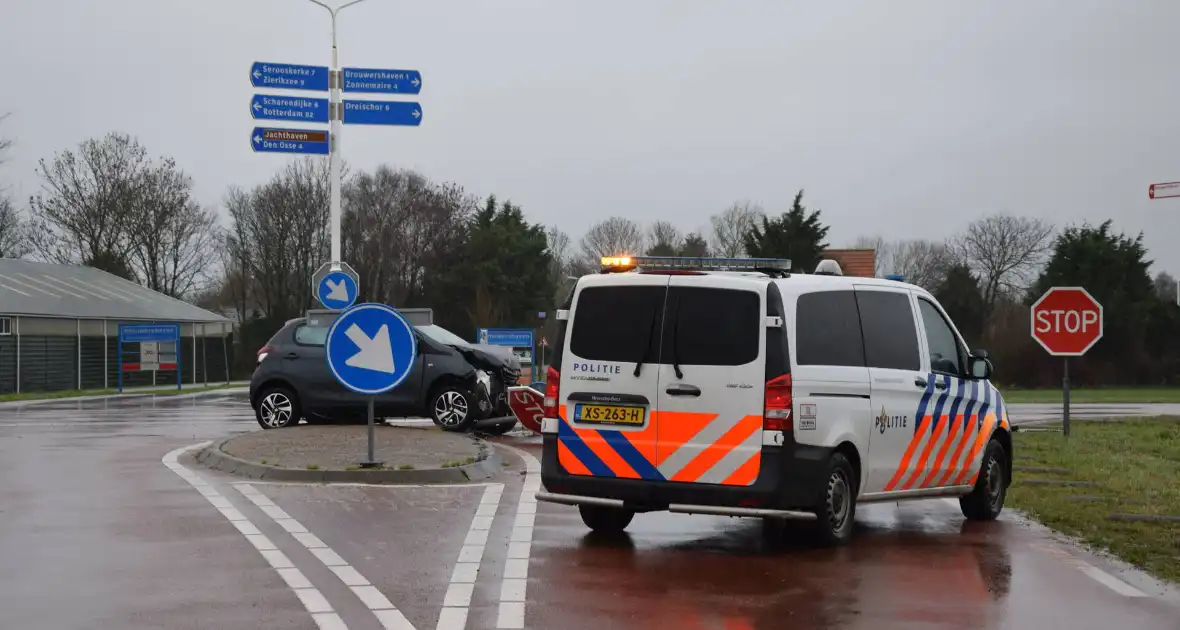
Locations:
column 442, row 335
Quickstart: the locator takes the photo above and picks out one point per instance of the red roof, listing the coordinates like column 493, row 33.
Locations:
column 861, row 263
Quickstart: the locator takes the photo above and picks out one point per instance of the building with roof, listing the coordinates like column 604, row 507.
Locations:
column 861, row 263
column 59, row 330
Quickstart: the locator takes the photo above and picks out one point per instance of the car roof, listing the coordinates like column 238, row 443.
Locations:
column 794, row 283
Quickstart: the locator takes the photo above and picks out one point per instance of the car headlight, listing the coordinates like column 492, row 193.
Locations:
column 484, row 380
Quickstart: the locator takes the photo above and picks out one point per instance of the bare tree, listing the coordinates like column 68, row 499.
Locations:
column 731, row 226
column 12, row 231
column 5, row 143
column 882, row 253
column 1005, row 251
column 615, row 236
column 664, row 239
column 922, row 262
column 1166, row 288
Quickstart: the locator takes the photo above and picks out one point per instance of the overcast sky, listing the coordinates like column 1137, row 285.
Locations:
column 903, row 118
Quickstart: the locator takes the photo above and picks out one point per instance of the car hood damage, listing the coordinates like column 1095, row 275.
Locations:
column 488, row 357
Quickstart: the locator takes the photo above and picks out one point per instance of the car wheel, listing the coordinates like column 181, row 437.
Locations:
column 451, row 409
column 986, row 501
column 276, row 408
column 606, row 519
column 836, row 512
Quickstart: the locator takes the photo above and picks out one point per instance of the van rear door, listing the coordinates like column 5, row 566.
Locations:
column 711, row 387
column 607, row 400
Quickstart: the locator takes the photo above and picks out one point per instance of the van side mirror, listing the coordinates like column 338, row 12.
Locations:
column 979, row 365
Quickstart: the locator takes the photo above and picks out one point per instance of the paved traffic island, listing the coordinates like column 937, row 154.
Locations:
column 332, row 454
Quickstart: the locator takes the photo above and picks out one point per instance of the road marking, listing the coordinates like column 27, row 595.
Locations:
column 312, row 599
column 383, row 486
column 390, row 617
column 457, row 601
column 514, row 586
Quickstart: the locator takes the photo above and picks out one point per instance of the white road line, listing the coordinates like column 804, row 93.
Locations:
column 390, row 617
column 514, row 586
column 312, row 599
column 457, row 601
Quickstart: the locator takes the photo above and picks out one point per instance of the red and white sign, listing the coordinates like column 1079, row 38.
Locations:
column 526, row 404
column 1161, row 191
column 1067, row 321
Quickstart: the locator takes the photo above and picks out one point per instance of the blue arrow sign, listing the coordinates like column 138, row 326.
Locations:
column 269, row 140
column 267, row 107
column 376, row 81
column 370, row 348
column 382, row 113
column 337, row 291
column 289, row 77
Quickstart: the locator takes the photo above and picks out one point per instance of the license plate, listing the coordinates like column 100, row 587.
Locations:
column 609, row 414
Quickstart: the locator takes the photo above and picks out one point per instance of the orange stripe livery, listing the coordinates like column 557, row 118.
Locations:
column 714, row 452
column 940, row 459
column 909, row 454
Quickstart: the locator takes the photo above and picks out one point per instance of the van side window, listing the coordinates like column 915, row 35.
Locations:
column 827, row 330
column 890, row 334
column 618, row 323
column 945, row 352
column 707, row 326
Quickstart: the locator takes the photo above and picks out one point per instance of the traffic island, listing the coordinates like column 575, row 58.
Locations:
column 332, row 454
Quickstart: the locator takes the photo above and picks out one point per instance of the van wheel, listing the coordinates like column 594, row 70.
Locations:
column 605, row 519
column 276, row 408
column 836, row 512
column 451, row 409
column 986, row 501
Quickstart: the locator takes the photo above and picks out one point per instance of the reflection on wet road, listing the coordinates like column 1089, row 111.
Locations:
column 95, row 532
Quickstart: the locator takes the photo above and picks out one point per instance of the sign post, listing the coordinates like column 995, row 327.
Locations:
column 1067, row 322
column 157, row 347
column 515, row 338
column 370, row 349
column 336, row 285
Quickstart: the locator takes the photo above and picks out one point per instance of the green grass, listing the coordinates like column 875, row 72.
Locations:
column 1141, row 395
column 1137, row 463
column 73, row 393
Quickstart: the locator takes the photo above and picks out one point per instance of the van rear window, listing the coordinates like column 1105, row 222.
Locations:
column 616, row 323
column 827, row 330
column 708, row 326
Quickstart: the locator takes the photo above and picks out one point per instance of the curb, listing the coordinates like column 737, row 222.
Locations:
column 486, row 467
column 159, row 394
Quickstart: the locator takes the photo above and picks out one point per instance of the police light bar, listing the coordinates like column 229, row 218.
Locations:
column 626, row 263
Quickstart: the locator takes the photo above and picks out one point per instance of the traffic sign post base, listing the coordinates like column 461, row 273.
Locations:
column 371, row 462
column 1065, row 401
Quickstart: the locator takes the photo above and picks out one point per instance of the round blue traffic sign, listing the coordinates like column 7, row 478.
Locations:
column 371, row 348
column 337, row 290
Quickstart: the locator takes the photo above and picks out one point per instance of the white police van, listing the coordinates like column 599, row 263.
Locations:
column 734, row 387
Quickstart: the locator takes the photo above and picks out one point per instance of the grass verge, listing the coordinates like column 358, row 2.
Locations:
column 1140, row 395
column 76, row 393
column 1137, row 464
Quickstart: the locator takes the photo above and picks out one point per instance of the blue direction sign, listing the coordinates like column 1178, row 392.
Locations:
column 289, row 77
column 337, row 290
column 382, row 113
column 268, row 140
column 267, row 107
column 374, row 81
column 371, row 348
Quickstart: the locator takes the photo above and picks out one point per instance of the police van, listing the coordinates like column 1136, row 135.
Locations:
column 732, row 386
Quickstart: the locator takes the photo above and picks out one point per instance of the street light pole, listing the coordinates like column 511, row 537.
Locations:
column 336, row 113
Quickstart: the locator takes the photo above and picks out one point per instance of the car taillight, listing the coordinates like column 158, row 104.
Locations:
column 263, row 351
column 552, row 389
column 776, row 416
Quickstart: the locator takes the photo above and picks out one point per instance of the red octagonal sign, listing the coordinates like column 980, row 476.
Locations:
column 1067, row 321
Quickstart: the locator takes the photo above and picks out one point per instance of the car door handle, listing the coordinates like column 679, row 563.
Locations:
column 683, row 390
column 921, row 382
column 292, row 355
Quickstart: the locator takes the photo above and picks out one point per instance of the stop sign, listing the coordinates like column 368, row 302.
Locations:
column 1067, row 321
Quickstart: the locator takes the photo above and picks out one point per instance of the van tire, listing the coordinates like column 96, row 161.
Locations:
column 836, row 512
column 986, row 501
column 605, row 519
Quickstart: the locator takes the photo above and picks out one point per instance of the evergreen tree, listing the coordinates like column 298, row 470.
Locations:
column 796, row 234
column 960, row 295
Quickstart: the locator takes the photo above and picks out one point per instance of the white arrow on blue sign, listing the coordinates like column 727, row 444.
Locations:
column 289, row 76
column 337, row 290
column 371, row 348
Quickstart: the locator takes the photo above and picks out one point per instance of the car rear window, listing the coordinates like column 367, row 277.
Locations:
column 827, row 330
column 707, row 326
column 891, row 338
column 615, row 323
column 311, row 335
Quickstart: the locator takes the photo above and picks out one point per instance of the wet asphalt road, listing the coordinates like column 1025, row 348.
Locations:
column 97, row 532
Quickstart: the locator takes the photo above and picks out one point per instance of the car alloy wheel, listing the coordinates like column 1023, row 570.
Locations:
column 450, row 408
column 276, row 410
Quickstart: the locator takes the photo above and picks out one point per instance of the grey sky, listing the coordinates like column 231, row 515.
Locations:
column 903, row 118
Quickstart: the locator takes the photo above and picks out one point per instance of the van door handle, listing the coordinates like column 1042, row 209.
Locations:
column 683, row 390
column 292, row 355
column 939, row 384
column 920, row 382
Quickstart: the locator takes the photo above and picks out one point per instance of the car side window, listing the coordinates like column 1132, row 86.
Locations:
column 311, row 335
column 890, row 333
column 946, row 356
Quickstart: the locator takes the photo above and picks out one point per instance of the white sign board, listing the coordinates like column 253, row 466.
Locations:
column 149, row 356
column 1164, row 190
